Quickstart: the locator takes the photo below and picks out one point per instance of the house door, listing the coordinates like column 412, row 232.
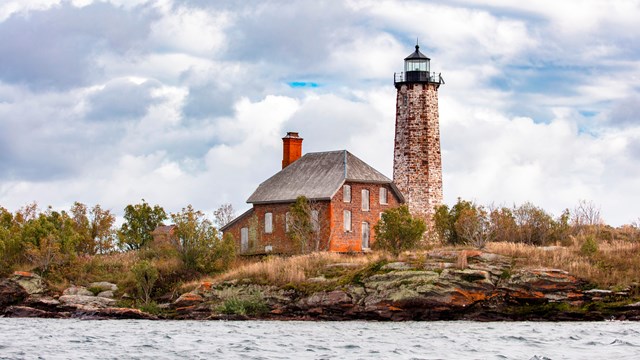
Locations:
column 365, row 235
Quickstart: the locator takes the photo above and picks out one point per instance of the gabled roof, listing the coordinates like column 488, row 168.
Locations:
column 318, row 176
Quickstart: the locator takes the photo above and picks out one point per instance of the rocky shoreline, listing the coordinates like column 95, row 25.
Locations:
column 444, row 285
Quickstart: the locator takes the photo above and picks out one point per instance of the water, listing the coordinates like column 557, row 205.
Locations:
column 127, row 339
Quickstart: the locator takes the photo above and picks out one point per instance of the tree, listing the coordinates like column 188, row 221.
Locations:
column 586, row 217
column 102, row 231
column 223, row 215
column 146, row 275
column 46, row 254
column 445, row 220
column 503, row 224
column 140, row 221
column 95, row 228
column 398, row 230
column 473, row 226
column 195, row 238
column 534, row 225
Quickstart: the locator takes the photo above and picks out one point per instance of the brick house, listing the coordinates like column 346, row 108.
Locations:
column 346, row 198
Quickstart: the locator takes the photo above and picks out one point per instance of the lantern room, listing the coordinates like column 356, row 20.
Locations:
column 417, row 61
column 417, row 69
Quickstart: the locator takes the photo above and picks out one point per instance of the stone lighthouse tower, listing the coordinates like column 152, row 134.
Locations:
column 417, row 166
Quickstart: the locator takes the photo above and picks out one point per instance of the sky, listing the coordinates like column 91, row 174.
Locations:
column 184, row 102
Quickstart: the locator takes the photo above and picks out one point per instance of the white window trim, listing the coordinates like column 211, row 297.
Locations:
column 346, row 190
column 346, row 223
column 368, row 227
column 366, row 197
column 244, row 239
column 268, row 223
column 384, row 194
column 315, row 220
column 287, row 220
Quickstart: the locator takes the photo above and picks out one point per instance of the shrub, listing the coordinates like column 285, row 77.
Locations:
column 398, row 230
column 251, row 305
column 589, row 247
column 145, row 275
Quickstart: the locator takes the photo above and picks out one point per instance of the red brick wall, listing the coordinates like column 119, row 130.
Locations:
column 342, row 241
column 332, row 233
column 277, row 239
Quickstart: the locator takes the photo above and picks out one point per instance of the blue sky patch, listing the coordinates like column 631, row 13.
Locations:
column 303, row 84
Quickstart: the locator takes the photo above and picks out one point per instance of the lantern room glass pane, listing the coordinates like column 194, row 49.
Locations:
column 416, row 65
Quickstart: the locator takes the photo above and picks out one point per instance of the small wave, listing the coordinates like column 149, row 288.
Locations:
column 536, row 357
column 621, row 342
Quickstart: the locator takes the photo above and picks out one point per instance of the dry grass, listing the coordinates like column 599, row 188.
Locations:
column 615, row 264
column 296, row 269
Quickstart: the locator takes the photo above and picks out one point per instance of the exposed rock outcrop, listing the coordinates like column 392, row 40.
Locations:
column 441, row 285
column 11, row 293
column 30, row 282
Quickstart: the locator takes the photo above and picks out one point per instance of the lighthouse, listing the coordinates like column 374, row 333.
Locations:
column 417, row 164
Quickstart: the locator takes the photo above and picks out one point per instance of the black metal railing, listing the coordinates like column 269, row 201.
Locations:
column 417, row 76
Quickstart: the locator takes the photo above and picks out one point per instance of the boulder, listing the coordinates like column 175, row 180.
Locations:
column 542, row 285
column 29, row 312
column 77, row 290
column 31, row 282
column 113, row 313
column 398, row 265
column 187, row 299
column 106, row 294
column 46, row 303
column 327, row 299
column 104, row 286
column 11, row 293
column 83, row 300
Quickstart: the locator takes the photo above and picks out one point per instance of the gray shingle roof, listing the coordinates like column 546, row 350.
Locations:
column 318, row 176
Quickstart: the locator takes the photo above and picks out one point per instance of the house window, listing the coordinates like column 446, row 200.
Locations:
column 383, row 196
column 268, row 223
column 365, row 200
column 346, row 193
column 287, row 221
column 315, row 220
column 365, row 235
column 347, row 220
column 244, row 239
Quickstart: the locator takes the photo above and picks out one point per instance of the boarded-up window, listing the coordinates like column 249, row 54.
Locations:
column 365, row 235
column 346, row 193
column 383, row 196
column 268, row 223
column 315, row 220
column 347, row 220
column 244, row 239
column 365, row 200
column 287, row 221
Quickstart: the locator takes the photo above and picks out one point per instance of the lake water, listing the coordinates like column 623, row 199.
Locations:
column 127, row 339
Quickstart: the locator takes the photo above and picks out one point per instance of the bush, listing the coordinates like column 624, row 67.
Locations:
column 445, row 220
column 398, row 230
column 250, row 306
column 145, row 275
column 589, row 247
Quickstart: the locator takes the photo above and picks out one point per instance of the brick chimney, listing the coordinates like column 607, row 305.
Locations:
column 291, row 148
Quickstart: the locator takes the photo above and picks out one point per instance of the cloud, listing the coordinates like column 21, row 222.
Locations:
column 186, row 101
column 55, row 48
column 122, row 99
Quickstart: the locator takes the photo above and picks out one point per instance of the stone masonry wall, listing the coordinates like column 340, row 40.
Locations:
column 417, row 165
